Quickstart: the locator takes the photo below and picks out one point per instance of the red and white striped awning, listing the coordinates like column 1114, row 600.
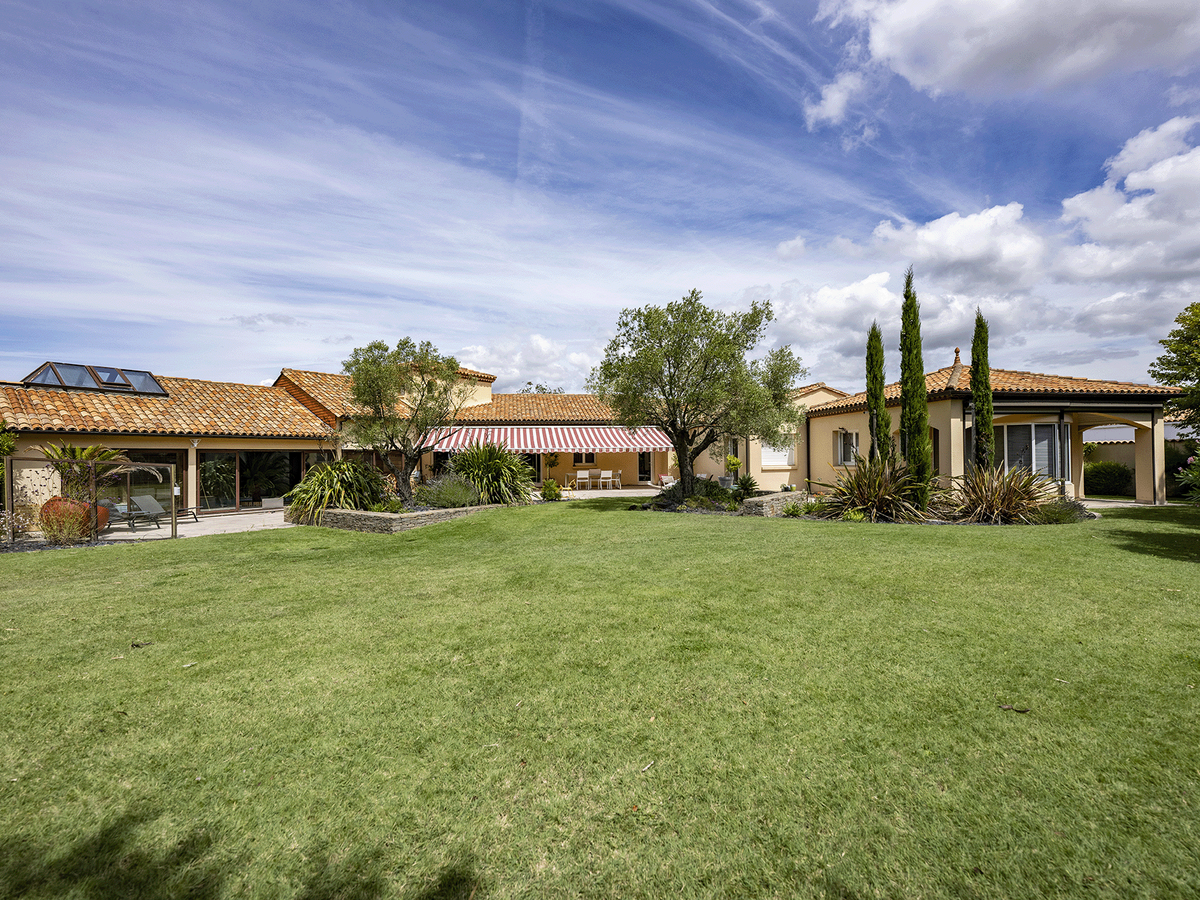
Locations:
column 558, row 438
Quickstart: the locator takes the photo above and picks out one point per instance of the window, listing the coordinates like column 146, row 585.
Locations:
column 585, row 459
column 779, row 459
column 845, row 446
column 1032, row 446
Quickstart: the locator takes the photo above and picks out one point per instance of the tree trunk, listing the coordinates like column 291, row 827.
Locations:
column 401, row 474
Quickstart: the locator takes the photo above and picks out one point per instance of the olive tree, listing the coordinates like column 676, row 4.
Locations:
column 405, row 397
column 685, row 369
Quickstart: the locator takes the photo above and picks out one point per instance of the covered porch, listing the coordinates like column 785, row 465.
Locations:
column 637, row 456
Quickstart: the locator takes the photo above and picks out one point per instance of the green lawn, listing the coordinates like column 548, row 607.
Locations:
column 578, row 700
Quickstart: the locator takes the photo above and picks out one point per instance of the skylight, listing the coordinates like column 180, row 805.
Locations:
column 95, row 378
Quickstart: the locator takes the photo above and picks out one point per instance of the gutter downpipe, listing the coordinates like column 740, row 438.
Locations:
column 1154, row 460
column 1062, row 453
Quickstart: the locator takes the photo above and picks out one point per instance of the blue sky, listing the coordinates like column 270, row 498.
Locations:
column 219, row 190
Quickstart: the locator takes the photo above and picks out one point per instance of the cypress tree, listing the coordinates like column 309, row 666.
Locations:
column 981, row 395
column 915, row 445
column 878, row 419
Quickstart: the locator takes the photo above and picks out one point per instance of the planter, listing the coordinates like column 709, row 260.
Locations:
column 65, row 516
column 726, row 481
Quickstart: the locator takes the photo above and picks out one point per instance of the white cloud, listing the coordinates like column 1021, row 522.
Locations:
column 1151, row 146
column 535, row 358
column 835, row 98
column 994, row 246
column 792, row 249
column 1143, row 223
column 1008, row 46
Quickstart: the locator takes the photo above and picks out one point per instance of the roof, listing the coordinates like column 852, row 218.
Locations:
column 539, row 409
column 1007, row 384
column 814, row 387
column 191, row 407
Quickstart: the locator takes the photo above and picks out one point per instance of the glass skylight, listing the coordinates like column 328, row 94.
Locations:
column 96, row 378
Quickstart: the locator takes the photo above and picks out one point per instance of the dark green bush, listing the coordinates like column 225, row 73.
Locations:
column 341, row 484
column 746, row 487
column 1063, row 511
column 447, row 492
column 878, row 489
column 998, row 497
column 709, row 489
column 551, row 490
column 1108, row 478
column 499, row 475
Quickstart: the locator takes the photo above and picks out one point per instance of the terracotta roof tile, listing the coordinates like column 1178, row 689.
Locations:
column 191, row 407
column 539, row 409
column 956, row 381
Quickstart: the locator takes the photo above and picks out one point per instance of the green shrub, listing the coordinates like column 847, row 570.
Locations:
column 746, row 487
column 551, row 490
column 708, row 504
column 1176, row 460
column 447, row 492
column 880, row 489
column 1062, row 511
column 814, row 507
column 1189, row 479
column 997, row 497
column 392, row 504
column 1108, row 478
column 708, row 488
column 853, row 515
column 792, row 509
column 499, row 475
column 341, row 484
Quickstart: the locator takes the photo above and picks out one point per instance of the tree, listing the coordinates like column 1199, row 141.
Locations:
column 684, row 369
column 879, row 420
column 539, row 388
column 915, row 445
column 406, row 397
column 982, row 431
column 1180, row 366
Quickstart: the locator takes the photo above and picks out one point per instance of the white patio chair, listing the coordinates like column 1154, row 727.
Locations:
column 606, row 477
column 617, row 479
column 583, row 480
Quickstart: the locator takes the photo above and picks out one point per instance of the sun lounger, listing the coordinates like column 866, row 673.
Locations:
column 148, row 509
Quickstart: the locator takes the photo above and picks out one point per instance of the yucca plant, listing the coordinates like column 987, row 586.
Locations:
column 341, row 484
column 880, row 489
column 499, row 475
column 998, row 497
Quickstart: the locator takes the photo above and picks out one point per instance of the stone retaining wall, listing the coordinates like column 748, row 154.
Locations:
column 388, row 523
column 771, row 505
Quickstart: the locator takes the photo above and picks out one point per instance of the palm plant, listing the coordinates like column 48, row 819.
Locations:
column 1000, row 498
column 499, row 475
column 341, row 484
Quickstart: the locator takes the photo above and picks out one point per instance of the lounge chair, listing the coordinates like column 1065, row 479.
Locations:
column 116, row 514
column 148, row 509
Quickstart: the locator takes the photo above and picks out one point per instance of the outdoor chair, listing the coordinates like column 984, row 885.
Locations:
column 149, row 509
column 116, row 514
column 583, row 480
column 617, row 479
column 187, row 511
column 606, row 477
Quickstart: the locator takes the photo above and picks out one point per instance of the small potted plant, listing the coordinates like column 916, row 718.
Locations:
column 732, row 464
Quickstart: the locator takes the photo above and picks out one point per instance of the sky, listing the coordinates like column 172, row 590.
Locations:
column 223, row 189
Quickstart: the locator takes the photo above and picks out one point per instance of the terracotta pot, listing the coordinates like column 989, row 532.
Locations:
column 60, row 510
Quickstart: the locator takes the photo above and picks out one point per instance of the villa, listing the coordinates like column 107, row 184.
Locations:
column 216, row 433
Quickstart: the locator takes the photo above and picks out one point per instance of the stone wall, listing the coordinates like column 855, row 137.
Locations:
column 388, row 523
column 771, row 505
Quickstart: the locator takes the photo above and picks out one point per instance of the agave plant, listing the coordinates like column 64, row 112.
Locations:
column 1001, row 498
column 499, row 475
column 341, row 484
column 877, row 489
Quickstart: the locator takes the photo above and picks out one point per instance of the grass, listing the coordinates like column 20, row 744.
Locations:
column 577, row 700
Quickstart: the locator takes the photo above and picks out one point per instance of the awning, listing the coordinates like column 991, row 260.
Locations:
column 558, row 438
